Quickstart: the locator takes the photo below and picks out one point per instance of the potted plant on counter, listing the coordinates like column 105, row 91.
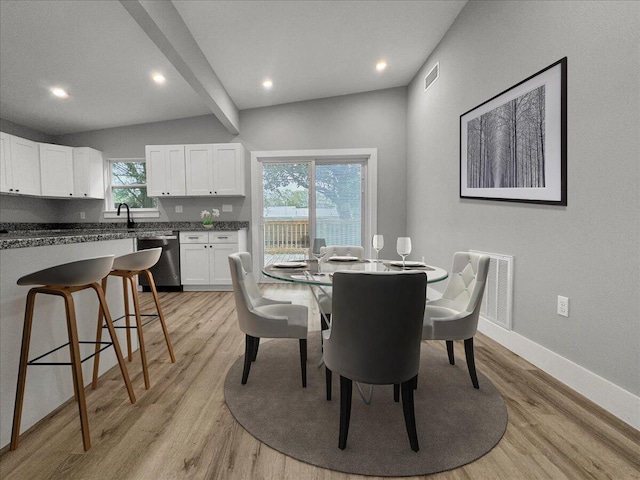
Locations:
column 208, row 216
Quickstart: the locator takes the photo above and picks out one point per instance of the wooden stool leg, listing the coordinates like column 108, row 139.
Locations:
column 76, row 367
column 22, row 371
column 125, row 292
column 152, row 286
column 143, row 352
column 114, row 339
column 96, row 358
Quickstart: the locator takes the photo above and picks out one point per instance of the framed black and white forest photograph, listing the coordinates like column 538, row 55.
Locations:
column 513, row 147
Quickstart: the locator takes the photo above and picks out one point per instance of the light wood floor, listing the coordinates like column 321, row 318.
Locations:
column 181, row 427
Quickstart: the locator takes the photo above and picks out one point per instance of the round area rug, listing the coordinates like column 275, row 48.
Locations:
column 456, row 423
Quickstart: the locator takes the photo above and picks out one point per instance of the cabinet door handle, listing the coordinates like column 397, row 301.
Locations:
column 192, row 238
column 223, row 238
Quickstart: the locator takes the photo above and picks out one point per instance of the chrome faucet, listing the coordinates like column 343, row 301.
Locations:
column 130, row 221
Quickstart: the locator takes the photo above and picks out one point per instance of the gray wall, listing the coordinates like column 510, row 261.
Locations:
column 365, row 120
column 24, row 132
column 129, row 142
column 589, row 250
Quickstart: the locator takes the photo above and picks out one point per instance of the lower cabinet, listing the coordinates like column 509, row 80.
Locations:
column 203, row 258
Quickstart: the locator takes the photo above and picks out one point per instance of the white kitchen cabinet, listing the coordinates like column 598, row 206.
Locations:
column 19, row 165
column 5, row 162
column 165, row 170
column 203, row 258
column 88, row 173
column 56, row 170
column 215, row 169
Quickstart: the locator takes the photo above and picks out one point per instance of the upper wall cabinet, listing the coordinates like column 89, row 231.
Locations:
column 88, row 173
column 215, row 169
column 56, row 170
column 19, row 165
column 165, row 170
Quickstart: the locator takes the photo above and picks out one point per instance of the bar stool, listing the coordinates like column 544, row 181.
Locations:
column 128, row 267
column 64, row 280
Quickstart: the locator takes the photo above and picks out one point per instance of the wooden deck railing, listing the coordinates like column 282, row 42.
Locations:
column 292, row 236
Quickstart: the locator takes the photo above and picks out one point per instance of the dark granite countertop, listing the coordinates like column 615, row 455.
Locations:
column 22, row 235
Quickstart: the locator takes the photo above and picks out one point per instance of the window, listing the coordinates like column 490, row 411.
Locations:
column 128, row 184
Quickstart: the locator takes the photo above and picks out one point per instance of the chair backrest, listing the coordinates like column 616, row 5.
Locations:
column 467, row 280
column 342, row 250
column 244, row 305
column 250, row 283
column 376, row 325
column 140, row 260
column 78, row 273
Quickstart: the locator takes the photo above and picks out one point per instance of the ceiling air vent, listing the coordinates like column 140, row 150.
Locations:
column 432, row 76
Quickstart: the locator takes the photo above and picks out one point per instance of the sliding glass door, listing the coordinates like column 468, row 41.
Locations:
column 302, row 200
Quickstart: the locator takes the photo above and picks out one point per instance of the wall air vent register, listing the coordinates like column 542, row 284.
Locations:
column 432, row 76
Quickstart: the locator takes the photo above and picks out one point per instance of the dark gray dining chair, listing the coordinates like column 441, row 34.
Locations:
column 455, row 315
column 265, row 320
column 375, row 337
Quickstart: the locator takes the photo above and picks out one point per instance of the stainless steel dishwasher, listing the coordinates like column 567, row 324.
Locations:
column 166, row 273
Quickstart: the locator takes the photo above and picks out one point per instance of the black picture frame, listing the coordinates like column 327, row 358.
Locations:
column 513, row 147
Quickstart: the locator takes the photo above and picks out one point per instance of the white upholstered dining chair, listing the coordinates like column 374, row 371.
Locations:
column 265, row 318
column 324, row 296
column 455, row 315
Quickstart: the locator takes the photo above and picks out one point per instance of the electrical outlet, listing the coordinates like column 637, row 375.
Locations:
column 178, row 208
column 82, row 216
column 563, row 306
column 227, row 208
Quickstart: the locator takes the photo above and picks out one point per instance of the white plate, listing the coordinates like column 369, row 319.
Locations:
column 398, row 263
column 343, row 258
column 290, row 264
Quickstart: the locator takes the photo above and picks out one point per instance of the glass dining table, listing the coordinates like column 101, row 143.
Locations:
column 306, row 272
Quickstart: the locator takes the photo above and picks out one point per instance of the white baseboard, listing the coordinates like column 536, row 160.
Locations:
column 614, row 399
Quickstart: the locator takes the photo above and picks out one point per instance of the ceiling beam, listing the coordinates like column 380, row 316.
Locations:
column 165, row 27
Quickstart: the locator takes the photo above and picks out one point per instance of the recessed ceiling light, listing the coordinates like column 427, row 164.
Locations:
column 158, row 78
column 267, row 83
column 59, row 92
column 381, row 66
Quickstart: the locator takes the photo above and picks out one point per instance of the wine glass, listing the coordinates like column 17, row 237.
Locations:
column 378, row 244
column 404, row 248
column 318, row 243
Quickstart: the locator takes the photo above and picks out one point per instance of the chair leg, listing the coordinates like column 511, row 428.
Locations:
column 328, row 379
column 96, row 358
column 248, row 355
column 396, row 392
column 409, row 413
column 156, row 299
column 127, row 321
column 22, row 370
column 323, row 326
column 303, row 361
column 346, row 390
column 255, row 349
column 76, row 368
column 471, row 363
column 143, row 350
column 114, row 340
column 323, row 323
column 452, row 359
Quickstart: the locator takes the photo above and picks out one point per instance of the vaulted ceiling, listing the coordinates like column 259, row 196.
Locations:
column 214, row 55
